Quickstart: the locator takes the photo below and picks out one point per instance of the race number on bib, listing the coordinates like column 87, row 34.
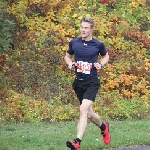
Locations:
column 84, row 67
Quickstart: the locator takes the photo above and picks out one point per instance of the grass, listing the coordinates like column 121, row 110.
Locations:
column 41, row 136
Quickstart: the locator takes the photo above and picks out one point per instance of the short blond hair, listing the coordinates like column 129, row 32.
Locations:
column 88, row 19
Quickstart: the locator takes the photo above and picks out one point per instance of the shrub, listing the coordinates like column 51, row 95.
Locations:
column 37, row 68
column 5, row 26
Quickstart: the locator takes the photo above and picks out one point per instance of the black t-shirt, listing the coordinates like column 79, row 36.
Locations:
column 85, row 54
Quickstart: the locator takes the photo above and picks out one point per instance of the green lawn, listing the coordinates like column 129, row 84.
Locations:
column 53, row 136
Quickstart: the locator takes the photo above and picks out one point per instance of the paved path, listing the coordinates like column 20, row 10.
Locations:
column 140, row 147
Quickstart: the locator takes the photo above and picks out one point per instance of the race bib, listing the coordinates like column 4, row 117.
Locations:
column 84, row 67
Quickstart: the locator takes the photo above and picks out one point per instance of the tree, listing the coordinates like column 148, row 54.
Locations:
column 5, row 27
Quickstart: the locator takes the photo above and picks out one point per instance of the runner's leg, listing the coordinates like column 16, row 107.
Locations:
column 83, row 117
column 95, row 118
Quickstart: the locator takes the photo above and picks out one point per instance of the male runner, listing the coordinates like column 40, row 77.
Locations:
column 86, row 50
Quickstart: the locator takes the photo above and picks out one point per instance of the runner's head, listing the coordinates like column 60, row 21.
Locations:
column 86, row 27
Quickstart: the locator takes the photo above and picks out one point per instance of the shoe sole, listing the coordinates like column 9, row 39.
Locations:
column 69, row 144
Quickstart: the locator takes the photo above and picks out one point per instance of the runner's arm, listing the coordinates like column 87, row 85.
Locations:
column 68, row 60
column 104, row 61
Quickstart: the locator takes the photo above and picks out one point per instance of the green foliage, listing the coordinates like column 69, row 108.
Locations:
column 41, row 35
column 5, row 27
column 20, row 108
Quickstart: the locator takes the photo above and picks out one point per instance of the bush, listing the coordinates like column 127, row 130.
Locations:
column 20, row 108
column 5, row 27
column 43, row 30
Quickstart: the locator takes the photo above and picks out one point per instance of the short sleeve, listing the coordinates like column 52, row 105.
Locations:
column 102, row 49
column 70, row 51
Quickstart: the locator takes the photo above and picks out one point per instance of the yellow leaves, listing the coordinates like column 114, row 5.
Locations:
column 40, row 25
column 39, row 62
column 64, row 112
column 134, row 4
column 128, row 94
column 147, row 64
column 124, row 23
column 50, row 15
column 17, row 63
column 5, row 68
column 117, row 42
column 112, row 75
column 147, row 33
column 65, row 11
column 64, row 48
column 113, row 17
column 74, row 15
column 39, row 1
column 127, row 79
column 141, row 2
column 20, row 107
column 146, row 104
column 112, row 84
column 58, row 22
column 87, row 15
column 71, row 31
column 130, row 86
column 142, row 84
column 80, row 17
column 68, row 9
column 19, row 10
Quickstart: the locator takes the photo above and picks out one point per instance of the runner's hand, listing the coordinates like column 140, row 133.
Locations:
column 71, row 65
column 97, row 65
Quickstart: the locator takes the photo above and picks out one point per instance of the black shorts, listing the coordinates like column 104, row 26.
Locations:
column 86, row 89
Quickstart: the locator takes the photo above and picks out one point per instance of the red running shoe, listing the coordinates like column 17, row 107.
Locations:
column 73, row 145
column 105, row 134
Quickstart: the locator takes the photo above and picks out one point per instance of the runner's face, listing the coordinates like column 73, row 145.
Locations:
column 86, row 30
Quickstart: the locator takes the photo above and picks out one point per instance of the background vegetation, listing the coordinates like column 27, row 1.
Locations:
column 35, row 82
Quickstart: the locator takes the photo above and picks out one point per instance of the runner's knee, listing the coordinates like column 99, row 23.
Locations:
column 90, row 115
column 83, row 111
